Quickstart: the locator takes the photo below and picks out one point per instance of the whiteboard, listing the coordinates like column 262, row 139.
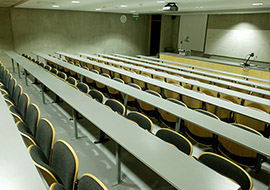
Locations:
column 238, row 39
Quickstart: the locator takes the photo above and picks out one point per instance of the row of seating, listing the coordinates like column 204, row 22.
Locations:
column 195, row 78
column 57, row 161
column 209, row 92
column 240, row 154
column 223, row 114
column 167, row 135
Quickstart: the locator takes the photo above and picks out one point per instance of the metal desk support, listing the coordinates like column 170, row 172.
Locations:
column 125, row 102
column 42, row 92
column 13, row 67
column 81, row 78
column 118, row 165
column 25, row 76
column 19, row 74
column 177, row 125
column 75, row 114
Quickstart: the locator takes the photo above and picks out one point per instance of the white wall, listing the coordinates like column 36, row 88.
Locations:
column 237, row 36
column 193, row 26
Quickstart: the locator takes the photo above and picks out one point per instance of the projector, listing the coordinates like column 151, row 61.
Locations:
column 170, row 7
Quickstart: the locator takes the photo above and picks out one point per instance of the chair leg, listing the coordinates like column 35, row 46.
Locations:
column 102, row 138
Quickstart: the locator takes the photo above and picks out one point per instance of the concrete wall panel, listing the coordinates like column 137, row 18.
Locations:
column 72, row 31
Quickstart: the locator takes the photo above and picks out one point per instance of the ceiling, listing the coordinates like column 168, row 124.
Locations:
column 145, row 6
column 8, row 3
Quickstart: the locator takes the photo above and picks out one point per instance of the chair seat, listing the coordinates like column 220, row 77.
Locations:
column 40, row 159
column 8, row 98
column 57, row 186
column 25, row 131
column 3, row 89
column 15, row 110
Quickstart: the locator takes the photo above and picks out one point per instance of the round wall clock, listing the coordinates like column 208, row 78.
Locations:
column 123, row 18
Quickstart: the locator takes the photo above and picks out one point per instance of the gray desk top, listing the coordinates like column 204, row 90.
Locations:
column 214, row 80
column 206, row 69
column 256, row 114
column 212, row 74
column 17, row 168
column 169, row 162
column 245, row 138
column 189, row 81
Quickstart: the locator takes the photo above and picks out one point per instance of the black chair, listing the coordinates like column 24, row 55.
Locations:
column 199, row 134
column 9, row 88
column 176, row 139
column 259, row 126
column 57, row 186
column 170, row 119
column 143, row 121
column 117, row 107
column 54, row 71
column 115, row 93
column 63, row 167
column 89, row 81
column 42, row 64
column 241, row 155
column 96, row 95
column 72, row 81
column 48, row 67
column 148, row 109
column 75, row 74
column 44, row 138
column 7, row 78
column 28, row 127
column 19, row 112
column 100, row 86
column 131, row 101
column 83, row 87
column 227, row 168
column 62, row 75
column 16, row 95
column 88, row 181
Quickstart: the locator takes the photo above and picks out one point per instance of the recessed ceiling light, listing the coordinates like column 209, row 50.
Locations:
column 123, row 6
column 160, row 1
column 75, row 1
column 132, row 11
column 55, row 6
column 98, row 9
column 257, row 4
column 199, row 7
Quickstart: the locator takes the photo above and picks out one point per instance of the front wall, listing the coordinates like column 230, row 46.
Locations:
column 71, row 31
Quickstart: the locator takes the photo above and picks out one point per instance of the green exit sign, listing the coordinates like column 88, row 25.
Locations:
column 135, row 18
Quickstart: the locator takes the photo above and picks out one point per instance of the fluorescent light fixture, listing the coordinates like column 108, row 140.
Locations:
column 160, row 1
column 257, row 4
column 123, row 6
column 98, row 9
column 132, row 11
column 75, row 1
column 55, row 6
column 199, row 7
